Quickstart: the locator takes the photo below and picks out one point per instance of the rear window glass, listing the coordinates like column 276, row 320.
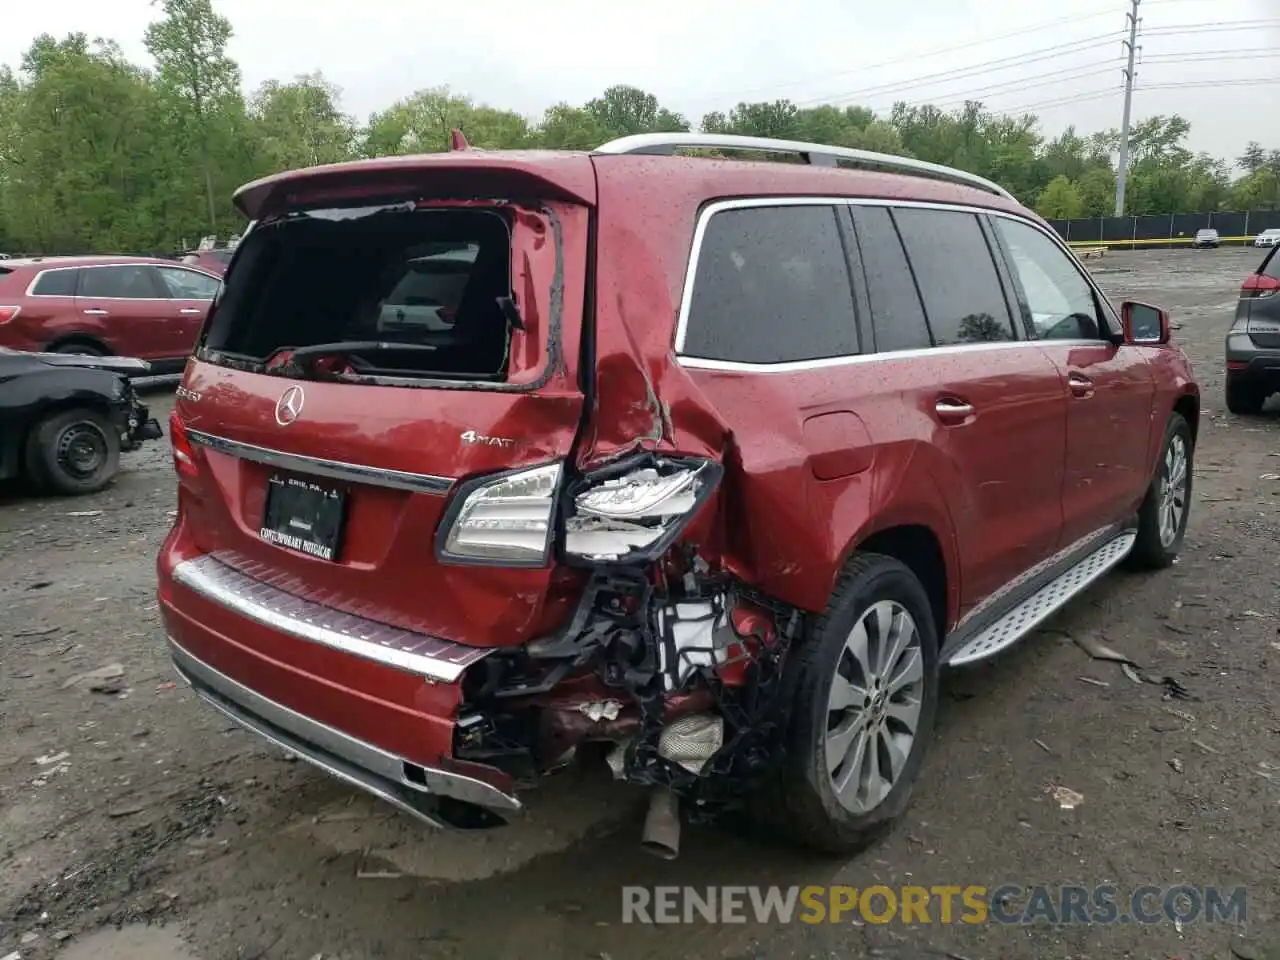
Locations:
column 427, row 292
column 126, row 282
column 1271, row 266
column 772, row 286
column 56, row 283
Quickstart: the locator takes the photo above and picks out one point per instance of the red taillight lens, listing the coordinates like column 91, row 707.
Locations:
column 184, row 455
column 8, row 313
column 1259, row 286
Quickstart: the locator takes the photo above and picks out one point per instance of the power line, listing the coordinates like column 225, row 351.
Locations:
column 939, row 51
column 992, row 66
column 1035, row 80
column 1110, row 92
column 1217, row 26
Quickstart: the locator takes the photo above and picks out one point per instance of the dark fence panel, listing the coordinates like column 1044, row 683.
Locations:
column 1159, row 231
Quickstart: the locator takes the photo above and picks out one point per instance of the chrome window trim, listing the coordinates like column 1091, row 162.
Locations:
column 794, row 366
column 791, row 366
column 100, row 266
column 334, row 469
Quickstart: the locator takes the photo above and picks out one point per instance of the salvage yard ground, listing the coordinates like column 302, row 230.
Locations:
column 125, row 802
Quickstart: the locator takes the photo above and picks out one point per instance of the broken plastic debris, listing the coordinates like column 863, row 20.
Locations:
column 598, row 710
column 52, row 758
column 85, row 513
column 1099, row 650
column 1176, row 764
column 1096, row 683
column 1067, row 798
column 1270, row 476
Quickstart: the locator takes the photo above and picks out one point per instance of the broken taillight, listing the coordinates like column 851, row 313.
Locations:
column 1257, row 287
column 184, row 455
column 8, row 313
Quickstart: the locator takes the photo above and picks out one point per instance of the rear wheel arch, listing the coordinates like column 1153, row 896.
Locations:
column 921, row 550
column 1188, row 405
column 68, row 343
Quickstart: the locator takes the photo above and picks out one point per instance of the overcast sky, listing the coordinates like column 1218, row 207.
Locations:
column 702, row 55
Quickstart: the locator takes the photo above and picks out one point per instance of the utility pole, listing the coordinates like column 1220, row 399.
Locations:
column 1122, row 174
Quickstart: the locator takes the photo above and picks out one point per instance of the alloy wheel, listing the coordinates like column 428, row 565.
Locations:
column 874, row 706
column 1173, row 490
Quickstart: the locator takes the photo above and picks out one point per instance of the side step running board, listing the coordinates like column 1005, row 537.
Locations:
column 1038, row 607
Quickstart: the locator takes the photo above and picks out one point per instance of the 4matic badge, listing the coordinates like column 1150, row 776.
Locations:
column 470, row 436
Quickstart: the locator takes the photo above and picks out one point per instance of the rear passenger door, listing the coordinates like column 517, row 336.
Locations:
column 987, row 402
column 1111, row 388
column 131, row 306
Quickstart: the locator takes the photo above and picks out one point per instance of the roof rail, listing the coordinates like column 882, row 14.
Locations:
column 817, row 154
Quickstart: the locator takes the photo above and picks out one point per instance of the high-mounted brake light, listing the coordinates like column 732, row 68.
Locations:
column 9, row 313
column 1257, row 287
column 184, row 455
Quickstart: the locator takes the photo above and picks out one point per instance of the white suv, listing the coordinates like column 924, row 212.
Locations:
column 1268, row 238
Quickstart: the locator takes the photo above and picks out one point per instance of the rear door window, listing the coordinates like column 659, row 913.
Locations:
column 772, row 286
column 56, row 283
column 1059, row 300
column 188, row 284
column 897, row 315
column 124, row 282
column 956, row 275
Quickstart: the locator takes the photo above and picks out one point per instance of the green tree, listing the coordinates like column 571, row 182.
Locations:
column 1097, row 189
column 564, row 127
column 623, row 110
column 201, row 83
column 1060, row 200
column 1253, row 157
column 77, row 149
column 301, row 123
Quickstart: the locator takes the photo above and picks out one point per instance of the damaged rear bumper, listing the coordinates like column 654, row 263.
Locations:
column 416, row 789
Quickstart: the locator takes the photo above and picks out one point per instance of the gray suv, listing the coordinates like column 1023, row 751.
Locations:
column 1253, row 342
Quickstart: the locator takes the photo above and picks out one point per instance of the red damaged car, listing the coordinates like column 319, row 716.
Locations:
column 702, row 467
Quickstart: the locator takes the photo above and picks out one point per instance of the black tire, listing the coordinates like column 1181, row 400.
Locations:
column 1154, row 550
column 73, row 452
column 1244, row 398
column 80, row 348
column 801, row 801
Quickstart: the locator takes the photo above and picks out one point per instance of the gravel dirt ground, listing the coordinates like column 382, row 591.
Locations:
column 136, row 823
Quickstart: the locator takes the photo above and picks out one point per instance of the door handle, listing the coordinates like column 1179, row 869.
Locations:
column 1081, row 386
column 96, row 313
column 191, row 310
column 953, row 411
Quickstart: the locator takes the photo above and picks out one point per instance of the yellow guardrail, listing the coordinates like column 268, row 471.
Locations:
column 1164, row 241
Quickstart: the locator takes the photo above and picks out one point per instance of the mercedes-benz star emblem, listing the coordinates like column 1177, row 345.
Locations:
column 289, row 406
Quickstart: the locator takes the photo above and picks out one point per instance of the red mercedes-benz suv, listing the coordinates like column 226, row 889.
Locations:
column 703, row 467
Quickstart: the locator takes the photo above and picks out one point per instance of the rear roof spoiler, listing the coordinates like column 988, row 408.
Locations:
column 458, row 173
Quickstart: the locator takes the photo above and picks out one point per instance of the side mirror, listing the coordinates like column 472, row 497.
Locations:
column 1144, row 324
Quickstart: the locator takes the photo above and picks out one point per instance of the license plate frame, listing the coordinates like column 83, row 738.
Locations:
column 304, row 516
